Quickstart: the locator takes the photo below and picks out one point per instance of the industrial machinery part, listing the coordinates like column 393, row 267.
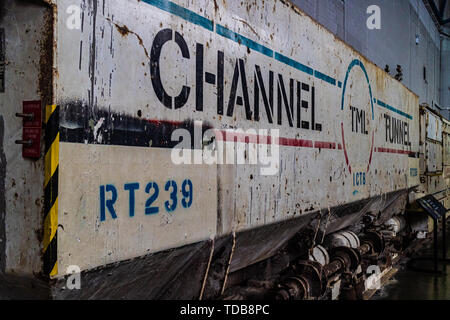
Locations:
column 345, row 238
column 373, row 242
column 346, row 258
column 293, row 288
column 395, row 224
column 309, row 279
column 319, row 254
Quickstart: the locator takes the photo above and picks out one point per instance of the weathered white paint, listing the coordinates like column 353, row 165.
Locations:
column 85, row 241
column 309, row 178
column 434, row 167
column 434, row 127
column 446, row 160
column 25, row 27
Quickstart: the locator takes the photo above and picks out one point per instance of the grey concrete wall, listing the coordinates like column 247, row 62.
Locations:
column 394, row 44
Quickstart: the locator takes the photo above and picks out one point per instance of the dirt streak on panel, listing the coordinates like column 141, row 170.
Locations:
column 93, row 49
column 219, row 228
column 124, row 31
column 46, row 60
column 2, row 199
column 81, row 55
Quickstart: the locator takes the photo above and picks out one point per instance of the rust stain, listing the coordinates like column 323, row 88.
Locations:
column 380, row 79
column 124, row 31
column 248, row 25
column 45, row 77
column 216, row 6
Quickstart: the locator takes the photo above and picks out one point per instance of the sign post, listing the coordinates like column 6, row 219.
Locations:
column 434, row 209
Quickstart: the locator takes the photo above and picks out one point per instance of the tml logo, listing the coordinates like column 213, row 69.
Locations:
column 357, row 124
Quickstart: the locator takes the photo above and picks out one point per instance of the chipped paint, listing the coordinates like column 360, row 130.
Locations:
column 29, row 38
column 2, row 198
column 111, row 98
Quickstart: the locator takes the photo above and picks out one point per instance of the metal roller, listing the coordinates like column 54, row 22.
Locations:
column 342, row 239
column 395, row 224
column 320, row 255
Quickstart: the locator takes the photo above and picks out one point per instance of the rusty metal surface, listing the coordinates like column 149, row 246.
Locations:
column 349, row 142
column 446, row 160
column 115, row 128
column 435, row 146
column 101, row 64
column 27, row 27
column 433, row 143
column 2, row 198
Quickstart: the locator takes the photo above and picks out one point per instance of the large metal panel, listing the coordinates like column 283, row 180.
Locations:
column 446, row 146
column 446, row 142
column 25, row 75
column 433, row 142
column 134, row 227
column 446, row 160
column 434, row 156
column 137, row 70
column 434, row 127
column 435, row 145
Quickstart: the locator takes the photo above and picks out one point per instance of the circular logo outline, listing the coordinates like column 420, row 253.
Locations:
column 356, row 62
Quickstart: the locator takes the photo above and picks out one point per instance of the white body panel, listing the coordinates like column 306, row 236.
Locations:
column 106, row 65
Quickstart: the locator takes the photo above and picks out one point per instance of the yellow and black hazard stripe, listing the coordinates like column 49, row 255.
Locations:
column 51, row 189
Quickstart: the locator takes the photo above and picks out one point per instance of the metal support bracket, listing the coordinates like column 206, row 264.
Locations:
column 32, row 129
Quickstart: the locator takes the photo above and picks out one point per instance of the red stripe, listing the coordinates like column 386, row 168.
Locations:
column 370, row 158
column 345, row 151
column 324, row 145
column 295, row 142
column 158, row 122
column 224, row 135
column 230, row 136
column 252, row 138
column 388, row 150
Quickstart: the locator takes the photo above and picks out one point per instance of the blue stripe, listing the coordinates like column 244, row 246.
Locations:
column 324, row 77
column 400, row 112
column 197, row 19
column 293, row 63
column 181, row 12
column 227, row 33
column 357, row 62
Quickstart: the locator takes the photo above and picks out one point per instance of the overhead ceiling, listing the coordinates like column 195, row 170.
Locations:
column 439, row 11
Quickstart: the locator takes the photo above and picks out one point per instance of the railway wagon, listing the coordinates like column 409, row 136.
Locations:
column 446, row 161
column 434, row 157
column 165, row 148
